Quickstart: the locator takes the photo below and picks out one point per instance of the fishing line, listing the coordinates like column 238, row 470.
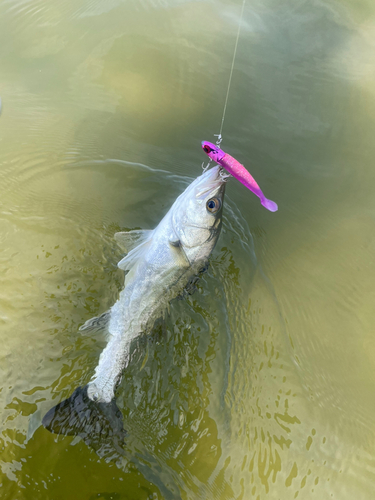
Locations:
column 219, row 135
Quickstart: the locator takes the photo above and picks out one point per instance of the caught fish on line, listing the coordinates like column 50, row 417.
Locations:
column 159, row 266
column 238, row 171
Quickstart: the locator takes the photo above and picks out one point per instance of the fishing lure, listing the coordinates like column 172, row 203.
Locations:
column 238, row 171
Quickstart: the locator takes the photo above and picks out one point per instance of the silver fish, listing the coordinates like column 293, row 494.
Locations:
column 159, row 265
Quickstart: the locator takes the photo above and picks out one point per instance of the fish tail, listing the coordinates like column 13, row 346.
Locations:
column 269, row 205
column 98, row 424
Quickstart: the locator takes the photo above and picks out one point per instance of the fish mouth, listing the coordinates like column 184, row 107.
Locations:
column 213, row 182
column 225, row 175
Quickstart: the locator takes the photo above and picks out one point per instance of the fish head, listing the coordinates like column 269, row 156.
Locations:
column 212, row 151
column 197, row 214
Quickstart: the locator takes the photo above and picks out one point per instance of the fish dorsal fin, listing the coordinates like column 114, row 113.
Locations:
column 134, row 255
column 131, row 239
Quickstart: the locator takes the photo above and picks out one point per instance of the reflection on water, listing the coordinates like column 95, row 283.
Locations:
column 260, row 385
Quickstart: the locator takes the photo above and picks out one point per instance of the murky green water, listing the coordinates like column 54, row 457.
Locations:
column 263, row 385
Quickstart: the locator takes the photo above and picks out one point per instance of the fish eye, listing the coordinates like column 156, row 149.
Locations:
column 207, row 149
column 213, row 205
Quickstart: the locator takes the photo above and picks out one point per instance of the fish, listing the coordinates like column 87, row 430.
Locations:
column 238, row 171
column 159, row 265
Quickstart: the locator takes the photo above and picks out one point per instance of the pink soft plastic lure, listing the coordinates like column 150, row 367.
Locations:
column 238, row 171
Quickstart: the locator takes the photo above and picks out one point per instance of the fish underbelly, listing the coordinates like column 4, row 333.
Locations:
column 132, row 315
column 144, row 300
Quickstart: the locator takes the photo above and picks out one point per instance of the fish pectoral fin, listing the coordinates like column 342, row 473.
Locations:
column 131, row 239
column 174, row 241
column 179, row 255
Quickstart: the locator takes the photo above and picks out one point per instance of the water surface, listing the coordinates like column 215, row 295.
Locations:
column 261, row 384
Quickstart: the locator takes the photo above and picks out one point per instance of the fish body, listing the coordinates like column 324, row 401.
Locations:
column 159, row 265
column 238, row 171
